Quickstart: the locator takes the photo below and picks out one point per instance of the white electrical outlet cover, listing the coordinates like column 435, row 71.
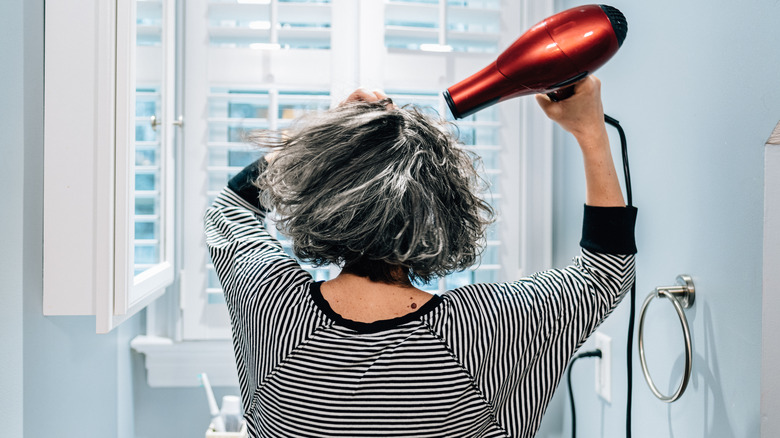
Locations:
column 603, row 366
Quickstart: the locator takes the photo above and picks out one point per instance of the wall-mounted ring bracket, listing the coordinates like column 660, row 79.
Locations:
column 682, row 297
column 684, row 291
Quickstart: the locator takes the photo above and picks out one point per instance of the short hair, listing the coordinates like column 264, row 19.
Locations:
column 372, row 187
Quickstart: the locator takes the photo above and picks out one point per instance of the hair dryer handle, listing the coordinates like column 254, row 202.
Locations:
column 566, row 88
column 561, row 94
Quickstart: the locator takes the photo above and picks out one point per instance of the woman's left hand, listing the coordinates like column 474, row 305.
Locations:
column 364, row 95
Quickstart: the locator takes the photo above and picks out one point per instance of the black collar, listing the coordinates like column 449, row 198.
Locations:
column 369, row 327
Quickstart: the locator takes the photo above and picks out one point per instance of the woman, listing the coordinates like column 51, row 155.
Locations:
column 389, row 195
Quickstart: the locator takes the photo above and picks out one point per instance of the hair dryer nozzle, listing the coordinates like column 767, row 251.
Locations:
column 553, row 54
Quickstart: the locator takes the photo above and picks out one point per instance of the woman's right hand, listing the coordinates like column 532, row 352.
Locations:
column 582, row 114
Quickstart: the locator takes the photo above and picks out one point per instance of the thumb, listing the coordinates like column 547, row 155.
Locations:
column 543, row 99
column 546, row 104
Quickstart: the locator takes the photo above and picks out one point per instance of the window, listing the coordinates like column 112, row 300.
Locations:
column 110, row 162
column 144, row 161
column 147, row 216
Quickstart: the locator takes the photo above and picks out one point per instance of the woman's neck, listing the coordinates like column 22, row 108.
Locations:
column 360, row 299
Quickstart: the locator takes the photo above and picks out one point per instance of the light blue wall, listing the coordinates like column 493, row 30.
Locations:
column 697, row 88
column 58, row 378
column 171, row 412
column 11, row 218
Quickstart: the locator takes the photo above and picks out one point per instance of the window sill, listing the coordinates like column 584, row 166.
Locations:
column 178, row 364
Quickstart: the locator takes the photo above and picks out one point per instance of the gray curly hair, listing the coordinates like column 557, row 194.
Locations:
column 373, row 188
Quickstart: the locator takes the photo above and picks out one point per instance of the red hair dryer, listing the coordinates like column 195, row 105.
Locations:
column 548, row 58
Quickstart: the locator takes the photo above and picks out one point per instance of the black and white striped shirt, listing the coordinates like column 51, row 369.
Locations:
column 478, row 361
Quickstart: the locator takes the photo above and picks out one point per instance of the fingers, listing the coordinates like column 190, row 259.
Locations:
column 544, row 101
column 583, row 87
column 361, row 94
column 364, row 95
column 587, row 89
column 579, row 114
column 380, row 95
column 368, row 96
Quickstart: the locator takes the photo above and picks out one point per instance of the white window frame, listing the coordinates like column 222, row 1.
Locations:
column 171, row 355
column 88, row 159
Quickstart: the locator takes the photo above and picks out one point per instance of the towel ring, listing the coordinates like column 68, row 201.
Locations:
column 682, row 297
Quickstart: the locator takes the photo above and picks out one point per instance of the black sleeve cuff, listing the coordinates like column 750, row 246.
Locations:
column 244, row 183
column 609, row 230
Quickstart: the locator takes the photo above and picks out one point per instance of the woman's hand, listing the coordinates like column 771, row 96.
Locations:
column 364, row 95
column 582, row 115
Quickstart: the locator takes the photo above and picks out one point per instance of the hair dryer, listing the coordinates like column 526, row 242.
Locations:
column 548, row 58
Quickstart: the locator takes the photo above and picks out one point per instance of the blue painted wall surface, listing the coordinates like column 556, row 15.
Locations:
column 58, row 378
column 696, row 86
column 171, row 412
column 11, row 218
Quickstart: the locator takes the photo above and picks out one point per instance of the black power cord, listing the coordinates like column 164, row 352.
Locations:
column 594, row 353
column 632, row 313
column 624, row 153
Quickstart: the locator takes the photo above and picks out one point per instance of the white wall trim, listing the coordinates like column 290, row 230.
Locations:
column 178, row 364
column 770, row 383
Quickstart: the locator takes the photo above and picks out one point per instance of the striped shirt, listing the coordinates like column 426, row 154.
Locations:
column 478, row 361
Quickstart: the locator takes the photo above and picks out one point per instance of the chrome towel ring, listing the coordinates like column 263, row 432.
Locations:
column 682, row 297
